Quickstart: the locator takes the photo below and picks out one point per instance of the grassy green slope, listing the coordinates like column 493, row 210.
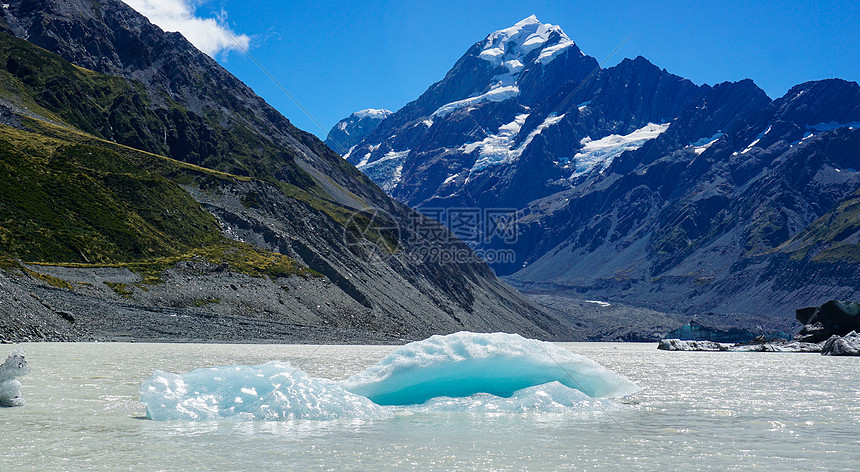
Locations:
column 73, row 195
column 120, row 110
column 68, row 202
column 831, row 235
column 71, row 198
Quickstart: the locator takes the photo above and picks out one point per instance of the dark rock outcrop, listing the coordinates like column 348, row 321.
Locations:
column 834, row 318
column 695, row 331
column 830, row 329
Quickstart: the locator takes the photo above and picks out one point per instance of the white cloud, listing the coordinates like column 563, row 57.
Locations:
column 210, row 35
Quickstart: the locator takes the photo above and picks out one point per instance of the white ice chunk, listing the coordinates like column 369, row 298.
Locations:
column 10, row 388
column 271, row 391
column 470, row 372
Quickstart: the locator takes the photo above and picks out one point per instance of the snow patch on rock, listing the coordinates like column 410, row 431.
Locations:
column 387, row 170
column 498, row 148
column 498, row 94
column 600, row 153
column 701, row 145
column 379, row 114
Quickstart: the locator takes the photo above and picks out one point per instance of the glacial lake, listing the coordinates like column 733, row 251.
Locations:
column 696, row 411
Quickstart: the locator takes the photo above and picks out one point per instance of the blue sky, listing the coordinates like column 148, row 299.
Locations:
column 337, row 57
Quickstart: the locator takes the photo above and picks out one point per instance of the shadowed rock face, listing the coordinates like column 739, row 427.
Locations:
column 298, row 201
column 760, row 219
column 835, row 317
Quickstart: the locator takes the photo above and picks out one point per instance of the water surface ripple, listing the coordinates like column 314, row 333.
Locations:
column 697, row 410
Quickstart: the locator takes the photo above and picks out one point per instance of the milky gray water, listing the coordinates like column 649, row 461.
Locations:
column 697, row 411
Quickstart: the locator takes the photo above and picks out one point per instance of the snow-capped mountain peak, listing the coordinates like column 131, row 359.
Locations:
column 373, row 113
column 527, row 44
column 351, row 130
column 511, row 46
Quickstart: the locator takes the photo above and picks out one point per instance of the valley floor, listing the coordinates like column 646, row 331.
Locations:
column 598, row 320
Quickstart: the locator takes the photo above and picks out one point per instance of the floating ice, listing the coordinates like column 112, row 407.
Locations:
column 464, row 364
column 10, row 388
column 552, row 397
column 470, row 372
column 270, row 391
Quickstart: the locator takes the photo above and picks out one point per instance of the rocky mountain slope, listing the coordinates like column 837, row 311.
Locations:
column 630, row 183
column 153, row 196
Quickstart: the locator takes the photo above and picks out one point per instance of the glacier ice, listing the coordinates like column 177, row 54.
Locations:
column 468, row 372
column 464, row 363
column 495, row 94
column 270, row 391
column 386, row 169
column 601, row 152
column 498, row 148
column 10, row 388
column 551, row 397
